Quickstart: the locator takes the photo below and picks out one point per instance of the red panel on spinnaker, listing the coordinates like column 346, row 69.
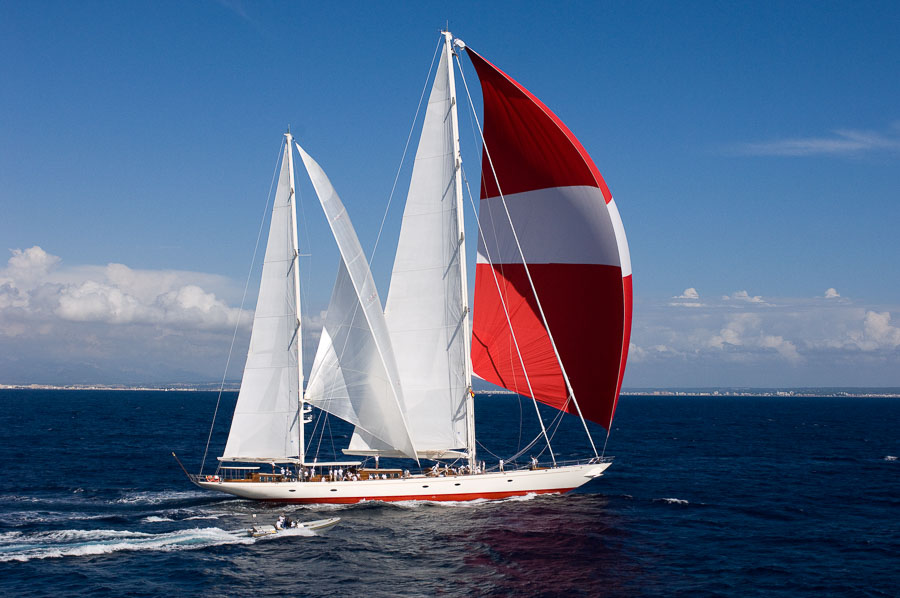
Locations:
column 568, row 226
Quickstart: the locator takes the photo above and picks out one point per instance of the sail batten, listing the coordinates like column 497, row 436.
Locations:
column 559, row 270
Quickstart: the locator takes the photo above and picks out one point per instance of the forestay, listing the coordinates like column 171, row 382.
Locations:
column 354, row 374
column 265, row 421
column 424, row 310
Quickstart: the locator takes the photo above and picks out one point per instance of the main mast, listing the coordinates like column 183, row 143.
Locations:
column 295, row 269
column 464, row 287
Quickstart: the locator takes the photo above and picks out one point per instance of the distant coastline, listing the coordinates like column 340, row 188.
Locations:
column 186, row 387
column 724, row 392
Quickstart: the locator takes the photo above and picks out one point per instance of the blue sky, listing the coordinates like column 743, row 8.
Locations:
column 753, row 150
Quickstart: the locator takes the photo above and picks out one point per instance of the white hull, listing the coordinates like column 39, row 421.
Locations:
column 491, row 485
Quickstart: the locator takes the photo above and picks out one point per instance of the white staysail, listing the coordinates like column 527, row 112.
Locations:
column 264, row 427
column 354, row 375
column 425, row 309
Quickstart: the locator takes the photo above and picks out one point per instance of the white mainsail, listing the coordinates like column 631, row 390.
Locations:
column 354, row 375
column 264, row 427
column 425, row 309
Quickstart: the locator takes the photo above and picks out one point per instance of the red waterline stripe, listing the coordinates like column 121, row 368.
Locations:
column 434, row 497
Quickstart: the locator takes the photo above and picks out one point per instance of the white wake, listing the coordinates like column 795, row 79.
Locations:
column 18, row 546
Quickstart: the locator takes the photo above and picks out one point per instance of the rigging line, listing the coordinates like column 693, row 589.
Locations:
column 518, row 396
column 405, row 149
column 512, row 332
column 331, row 438
column 304, row 288
column 489, row 451
column 537, row 299
column 322, row 418
column 527, row 447
column 321, row 436
column 312, row 435
column 603, row 454
column 510, row 356
column 475, row 138
column 554, row 423
column 475, row 214
column 241, row 310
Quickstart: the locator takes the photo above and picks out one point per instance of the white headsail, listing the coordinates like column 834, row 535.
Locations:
column 265, row 421
column 354, row 375
column 425, row 308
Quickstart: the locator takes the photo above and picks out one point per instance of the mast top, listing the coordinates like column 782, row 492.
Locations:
column 288, row 134
column 448, row 36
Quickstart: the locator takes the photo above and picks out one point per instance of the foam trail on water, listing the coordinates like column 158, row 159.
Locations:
column 16, row 546
column 475, row 502
column 417, row 504
column 19, row 518
column 155, row 498
column 672, row 501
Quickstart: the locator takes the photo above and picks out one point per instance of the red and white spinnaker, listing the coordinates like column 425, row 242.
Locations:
column 568, row 239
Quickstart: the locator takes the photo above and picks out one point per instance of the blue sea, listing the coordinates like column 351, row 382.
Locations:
column 706, row 497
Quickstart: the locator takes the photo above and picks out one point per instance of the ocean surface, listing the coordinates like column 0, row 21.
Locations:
column 706, row 497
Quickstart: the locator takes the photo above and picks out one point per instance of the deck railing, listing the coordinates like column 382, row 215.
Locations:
column 363, row 474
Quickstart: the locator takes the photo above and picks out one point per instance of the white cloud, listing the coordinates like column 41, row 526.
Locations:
column 785, row 341
column 113, row 320
column 689, row 298
column 744, row 296
column 689, row 293
column 114, row 294
column 877, row 332
column 114, row 324
column 29, row 265
column 94, row 302
column 846, row 142
column 785, row 348
column 746, row 331
column 831, row 293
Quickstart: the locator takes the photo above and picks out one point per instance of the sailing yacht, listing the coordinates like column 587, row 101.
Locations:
column 551, row 317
